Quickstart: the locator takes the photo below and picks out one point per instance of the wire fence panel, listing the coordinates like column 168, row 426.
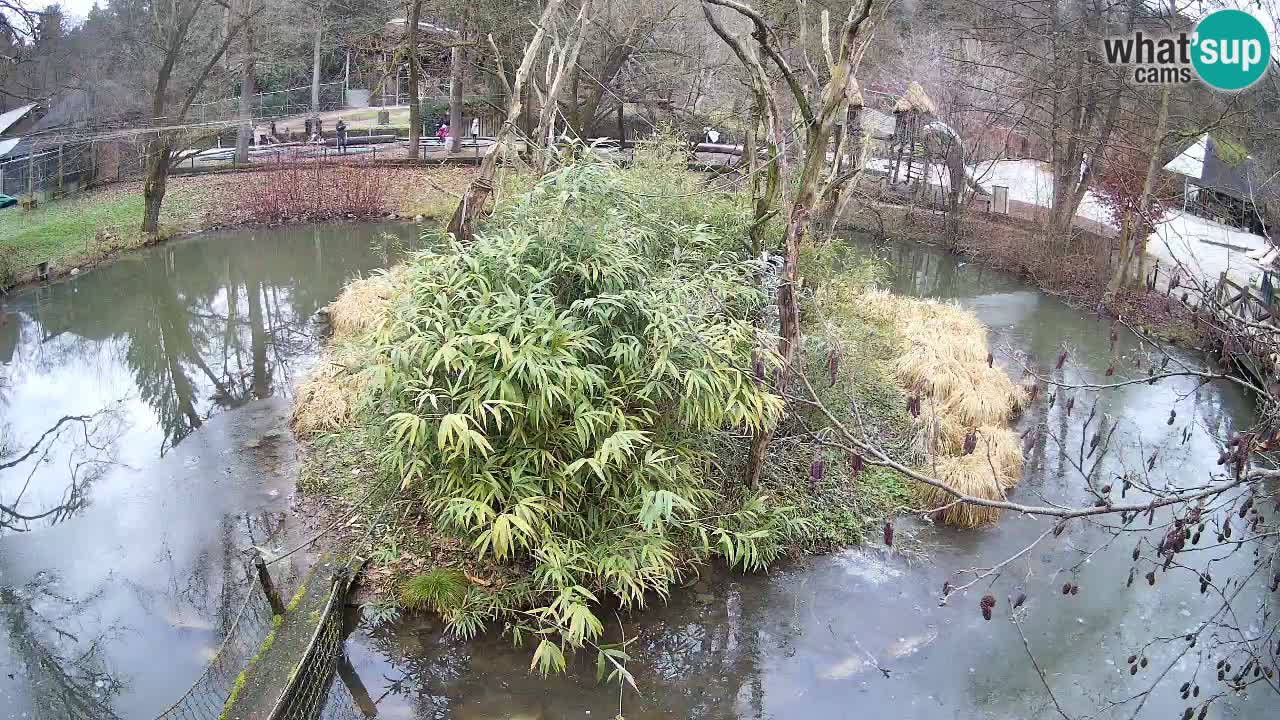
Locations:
column 311, row 681
column 50, row 167
column 207, row 696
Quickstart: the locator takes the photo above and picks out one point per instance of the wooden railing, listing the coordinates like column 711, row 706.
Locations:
column 1244, row 302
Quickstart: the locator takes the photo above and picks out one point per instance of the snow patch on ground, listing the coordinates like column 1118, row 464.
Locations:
column 1207, row 248
column 1202, row 246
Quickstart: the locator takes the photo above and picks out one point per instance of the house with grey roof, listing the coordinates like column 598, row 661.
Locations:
column 1222, row 182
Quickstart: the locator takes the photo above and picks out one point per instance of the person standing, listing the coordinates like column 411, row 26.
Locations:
column 341, row 129
column 475, row 127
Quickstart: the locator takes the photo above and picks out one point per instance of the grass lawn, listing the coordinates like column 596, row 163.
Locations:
column 77, row 230
column 87, row 228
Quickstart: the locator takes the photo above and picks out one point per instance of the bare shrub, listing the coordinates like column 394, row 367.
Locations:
column 312, row 191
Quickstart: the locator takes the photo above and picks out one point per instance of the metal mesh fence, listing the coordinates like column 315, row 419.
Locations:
column 311, row 688
column 268, row 105
column 46, row 168
column 205, row 699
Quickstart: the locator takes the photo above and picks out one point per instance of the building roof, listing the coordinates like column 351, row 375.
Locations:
column 7, row 144
column 8, row 119
column 1220, row 165
column 915, row 100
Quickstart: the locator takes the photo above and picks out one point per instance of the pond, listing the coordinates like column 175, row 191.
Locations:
column 860, row 633
column 121, row 534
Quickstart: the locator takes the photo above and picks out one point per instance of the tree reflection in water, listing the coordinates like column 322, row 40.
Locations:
column 63, row 674
column 190, row 329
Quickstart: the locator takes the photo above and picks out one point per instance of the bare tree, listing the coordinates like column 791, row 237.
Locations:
column 817, row 120
column 185, row 43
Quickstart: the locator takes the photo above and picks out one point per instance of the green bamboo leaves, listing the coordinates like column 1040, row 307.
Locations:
column 551, row 390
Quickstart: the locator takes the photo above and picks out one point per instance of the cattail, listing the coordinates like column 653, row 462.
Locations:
column 1057, row 529
column 1129, row 582
column 1075, row 589
column 1062, row 359
column 888, row 534
column 1066, row 588
column 1137, row 550
column 1151, row 463
column 1244, row 508
column 817, row 469
column 970, row 442
column 1186, row 714
column 1142, row 662
column 1132, row 659
column 1204, row 710
column 1022, row 598
column 1151, row 578
column 1173, row 415
column 1111, row 371
column 990, row 359
column 1133, row 669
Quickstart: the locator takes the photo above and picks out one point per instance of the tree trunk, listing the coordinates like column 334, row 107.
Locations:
column 1133, row 235
column 245, row 133
column 476, row 198
column 315, row 70
column 153, row 187
column 415, row 111
column 456, row 59
column 622, row 104
column 567, row 58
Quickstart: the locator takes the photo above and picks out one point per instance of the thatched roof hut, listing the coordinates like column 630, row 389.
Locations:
column 915, row 101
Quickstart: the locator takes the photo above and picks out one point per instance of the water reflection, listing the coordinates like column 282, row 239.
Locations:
column 122, row 528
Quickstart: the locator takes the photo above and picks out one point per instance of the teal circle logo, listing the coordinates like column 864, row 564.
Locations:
column 1231, row 49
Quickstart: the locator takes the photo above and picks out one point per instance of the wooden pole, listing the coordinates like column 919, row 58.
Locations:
column 268, row 586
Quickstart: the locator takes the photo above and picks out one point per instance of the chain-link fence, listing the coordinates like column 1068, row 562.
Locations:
column 208, row 695
column 46, row 168
column 270, row 105
column 311, row 688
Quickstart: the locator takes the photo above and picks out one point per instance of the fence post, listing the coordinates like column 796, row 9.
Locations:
column 31, row 174
column 268, row 586
column 2, row 178
column 60, row 167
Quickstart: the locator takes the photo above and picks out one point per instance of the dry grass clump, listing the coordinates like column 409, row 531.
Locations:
column 943, row 361
column 327, row 398
column 362, row 304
